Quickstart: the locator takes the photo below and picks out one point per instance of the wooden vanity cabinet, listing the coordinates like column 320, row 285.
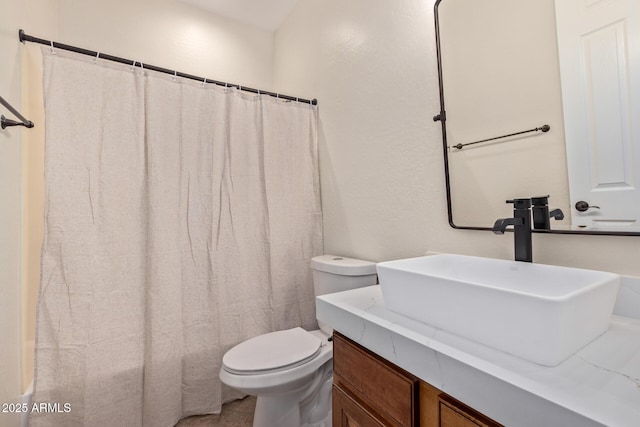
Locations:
column 369, row 391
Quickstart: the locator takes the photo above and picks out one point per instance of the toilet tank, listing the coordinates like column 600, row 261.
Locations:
column 335, row 274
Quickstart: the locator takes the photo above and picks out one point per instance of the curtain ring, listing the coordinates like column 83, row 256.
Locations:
column 97, row 57
column 204, row 83
column 53, row 49
column 175, row 76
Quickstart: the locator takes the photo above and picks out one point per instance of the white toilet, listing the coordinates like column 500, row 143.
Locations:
column 291, row 371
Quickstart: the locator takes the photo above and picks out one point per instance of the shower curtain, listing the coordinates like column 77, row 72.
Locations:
column 180, row 220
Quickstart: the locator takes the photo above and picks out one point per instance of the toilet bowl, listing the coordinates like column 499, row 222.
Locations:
column 289, row 393
column 291, row 371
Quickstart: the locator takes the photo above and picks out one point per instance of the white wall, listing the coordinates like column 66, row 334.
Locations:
column 170, row 34
column 372, row 66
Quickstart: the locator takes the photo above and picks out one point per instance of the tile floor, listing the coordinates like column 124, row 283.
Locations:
column 238, row 413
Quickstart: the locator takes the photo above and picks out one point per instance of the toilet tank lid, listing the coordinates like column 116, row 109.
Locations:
column 343, row 265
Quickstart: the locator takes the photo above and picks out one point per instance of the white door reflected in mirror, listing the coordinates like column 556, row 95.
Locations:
column 597, row 46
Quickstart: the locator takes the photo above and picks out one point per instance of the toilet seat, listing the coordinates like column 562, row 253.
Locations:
column 272, row 352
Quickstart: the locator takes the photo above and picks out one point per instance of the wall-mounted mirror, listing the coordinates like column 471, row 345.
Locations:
column 542, row 99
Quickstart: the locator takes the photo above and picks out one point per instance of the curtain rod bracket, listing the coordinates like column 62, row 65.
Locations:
column 6, row 122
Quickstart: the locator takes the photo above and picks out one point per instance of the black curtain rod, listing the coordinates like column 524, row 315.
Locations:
column 543, row 128
column 27, row 38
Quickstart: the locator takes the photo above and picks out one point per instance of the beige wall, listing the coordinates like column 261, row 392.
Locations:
column 10, row 214
column 165, row 33
column 15, row 335
column 40, row 15
column 372, row 66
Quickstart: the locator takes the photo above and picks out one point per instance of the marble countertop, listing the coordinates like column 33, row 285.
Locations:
column 598, row 385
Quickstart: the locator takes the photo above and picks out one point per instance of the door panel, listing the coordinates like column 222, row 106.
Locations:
column 601, row 96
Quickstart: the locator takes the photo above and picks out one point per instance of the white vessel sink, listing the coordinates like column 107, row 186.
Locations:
column 541, row 313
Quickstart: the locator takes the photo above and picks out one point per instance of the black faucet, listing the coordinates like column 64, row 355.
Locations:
column 521, row 222
column 541, row 214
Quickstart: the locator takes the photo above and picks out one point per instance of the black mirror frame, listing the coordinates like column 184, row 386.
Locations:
column 442, row 118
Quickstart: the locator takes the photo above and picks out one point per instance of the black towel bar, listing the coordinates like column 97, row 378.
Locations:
column 543, row 128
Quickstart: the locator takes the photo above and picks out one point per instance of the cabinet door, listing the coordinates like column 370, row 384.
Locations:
column 348, row 413
column 386, row 389
column 437, row 409
column 450, row 416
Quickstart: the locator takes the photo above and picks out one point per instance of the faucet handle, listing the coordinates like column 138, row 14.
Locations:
column 540, row 200
column 520, row 203
column 556, row 214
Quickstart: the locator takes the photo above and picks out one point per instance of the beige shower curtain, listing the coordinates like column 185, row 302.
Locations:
column 180, row 220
